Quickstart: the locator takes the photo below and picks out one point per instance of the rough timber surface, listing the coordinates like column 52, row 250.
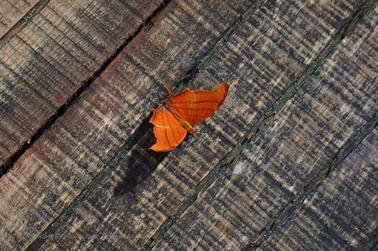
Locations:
column 65, row 159
column 261, row 58
column 295, row 150
column 12, row 11
column 342, row 213
column 55, row 51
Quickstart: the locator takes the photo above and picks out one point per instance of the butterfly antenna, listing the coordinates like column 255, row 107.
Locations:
column 169, row 89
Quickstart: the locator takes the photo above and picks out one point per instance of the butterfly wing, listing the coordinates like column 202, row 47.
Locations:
column 168, row 131
column 196, row 105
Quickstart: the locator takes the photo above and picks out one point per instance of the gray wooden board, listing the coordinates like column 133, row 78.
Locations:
column 269, row 50
column 65, row 159
column 342, row 213
column 296, row 145
column 55, row 52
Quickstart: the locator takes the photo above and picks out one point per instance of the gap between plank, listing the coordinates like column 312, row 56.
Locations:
column 16, row 27
column 286, row 213
column 222, row 168
column 139, row 132
column 8, row 164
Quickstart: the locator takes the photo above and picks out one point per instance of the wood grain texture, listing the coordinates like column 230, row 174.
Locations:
column 66, row 158
column 269, row 50
column 12, row 11
column 292, row 150
column 342, row 213
column 55, row 52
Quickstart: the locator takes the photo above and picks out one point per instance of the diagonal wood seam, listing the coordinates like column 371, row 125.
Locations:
column 23, row 20
column 86, row 84
column 280, row 219
column 199, row 64
column 222, row 168
column 142, row 128
column 86, row 192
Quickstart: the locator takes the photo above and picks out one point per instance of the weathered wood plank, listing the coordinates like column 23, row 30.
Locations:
column 342, row 213
column 12, row 11
column 292, row 151
column 260, row 61
column 55, row 52
column 66, row 158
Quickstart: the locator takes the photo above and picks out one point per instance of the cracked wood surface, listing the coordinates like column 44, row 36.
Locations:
column 12, row 11
column 303, row 91
column 342, row 213
column 293, row 150
column 58, row 48
column 65, row 159
column 260, row 62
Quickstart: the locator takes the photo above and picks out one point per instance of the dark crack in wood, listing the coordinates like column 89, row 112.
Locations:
column 25, row 19
column 143, row 132
column 86, row 84
column 223, row 168
column 284, row 215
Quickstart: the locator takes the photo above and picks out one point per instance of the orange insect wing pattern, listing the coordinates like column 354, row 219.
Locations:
column 185, row 109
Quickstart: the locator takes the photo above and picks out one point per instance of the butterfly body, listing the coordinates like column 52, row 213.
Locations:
column 181, row 113
column 187, row 126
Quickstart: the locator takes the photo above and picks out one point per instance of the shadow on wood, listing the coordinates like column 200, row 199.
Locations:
column 138, row 164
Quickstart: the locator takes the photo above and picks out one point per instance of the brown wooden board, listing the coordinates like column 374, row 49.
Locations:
column 269, row 50
column 342, row 213
column 55, row 52
column 12, row 11
column 290, row 154
column 65, row 159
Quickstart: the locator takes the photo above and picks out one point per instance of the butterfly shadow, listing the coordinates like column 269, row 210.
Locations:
column 139, row 163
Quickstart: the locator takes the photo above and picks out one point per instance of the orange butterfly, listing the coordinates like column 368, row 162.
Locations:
column 181, row 113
